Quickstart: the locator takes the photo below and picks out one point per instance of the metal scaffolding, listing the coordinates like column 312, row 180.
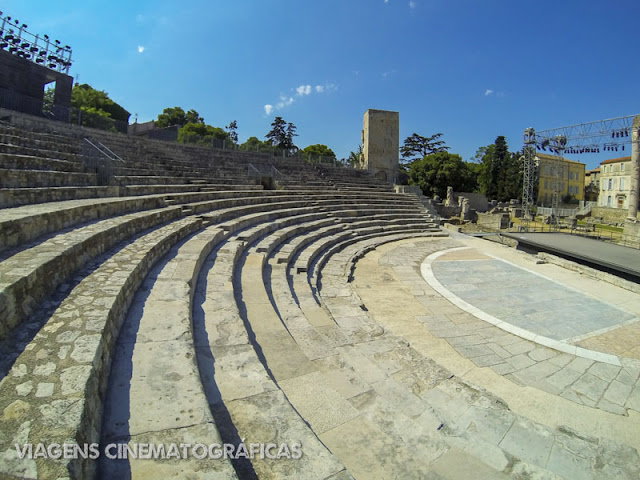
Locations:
column 611, row 135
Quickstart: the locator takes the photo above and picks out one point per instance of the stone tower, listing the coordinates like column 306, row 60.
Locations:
column 381, row 143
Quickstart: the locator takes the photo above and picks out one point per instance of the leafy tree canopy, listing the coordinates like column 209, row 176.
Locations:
column 355, row 157
column 499, row 171
column 416, row 146
column 254, row 144
column 201, row 133
column 86, row 98
column 435, row 172
column 176, row 116
column 318, row 150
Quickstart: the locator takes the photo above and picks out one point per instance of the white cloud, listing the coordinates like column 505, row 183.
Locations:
column 140, row 49
column 386, row 1
column 488, row 92
column 284, row 102
column 412, row 4
column 303, row 90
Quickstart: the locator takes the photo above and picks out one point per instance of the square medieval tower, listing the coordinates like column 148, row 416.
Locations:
column 381, row 143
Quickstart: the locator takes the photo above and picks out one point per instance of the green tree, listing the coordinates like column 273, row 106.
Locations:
column 499, row 171
column 416, row 146
column 47, row 100
column 435, row 172
column 97, row 109
column 201, row 133
column 254, row 144
column 281, row 135
column 232, row 127
column 355, row 158
column 318, row 150
column 176, row 116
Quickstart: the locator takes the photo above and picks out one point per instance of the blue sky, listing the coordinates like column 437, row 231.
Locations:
column 472, row 69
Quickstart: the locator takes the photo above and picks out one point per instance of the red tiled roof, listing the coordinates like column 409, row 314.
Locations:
column 616, row 160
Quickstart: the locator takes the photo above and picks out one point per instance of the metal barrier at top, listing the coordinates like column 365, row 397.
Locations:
column 15, row 39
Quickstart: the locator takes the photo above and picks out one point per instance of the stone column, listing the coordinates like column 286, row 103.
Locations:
column 635, row 171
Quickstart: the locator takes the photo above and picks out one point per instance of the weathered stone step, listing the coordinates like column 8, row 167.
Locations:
column 62, row 376
column 144, row 404
column 30, row 275
column 248, row 397
column 30, row 162
column 12, row 178
column 24, row 224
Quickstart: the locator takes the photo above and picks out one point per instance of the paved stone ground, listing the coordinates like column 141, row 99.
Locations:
column 614, row 388
column 492, row 425
column 525, row 299
column 552, row 394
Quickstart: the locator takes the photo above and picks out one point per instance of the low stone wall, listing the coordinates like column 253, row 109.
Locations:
column 448, row 211
column 592, row 272
column 493, row 221
column 408, row 189
column 477, row 200
column 610, row 215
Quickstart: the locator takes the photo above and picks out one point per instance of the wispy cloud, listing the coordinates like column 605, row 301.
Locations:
column 388, row 73
column 303, row 90
column 300, row 91
column 493, row 93
column 284, row 102
column 386, row 1
column 412, row 4
column 140, row 49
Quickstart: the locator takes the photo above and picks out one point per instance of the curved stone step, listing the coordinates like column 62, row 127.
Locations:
column 146, row 404
column 248, row 397
column 12, row 178
column 28, row 276
column 61, row 376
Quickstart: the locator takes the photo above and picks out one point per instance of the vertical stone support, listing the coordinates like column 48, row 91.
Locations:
column 635, row 171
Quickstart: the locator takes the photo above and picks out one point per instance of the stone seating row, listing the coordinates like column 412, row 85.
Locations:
column 21, row 359
column 32, row 272
column 13, row 197
column 25, row 223
column 149, row 156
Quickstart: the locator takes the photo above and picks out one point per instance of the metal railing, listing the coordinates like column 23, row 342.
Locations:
column 562, row 212
column 261, row 170
column 99, row 159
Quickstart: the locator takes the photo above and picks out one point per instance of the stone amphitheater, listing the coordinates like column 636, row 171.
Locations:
column 182, row 303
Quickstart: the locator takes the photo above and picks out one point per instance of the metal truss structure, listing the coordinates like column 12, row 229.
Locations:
column 15, row 39
column 593, row 137
column 611, row 135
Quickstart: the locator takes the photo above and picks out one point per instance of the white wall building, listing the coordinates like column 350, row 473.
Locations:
column 615, row 183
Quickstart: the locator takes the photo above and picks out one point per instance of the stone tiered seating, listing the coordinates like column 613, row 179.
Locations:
column 96, row 279
column 184, row 304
